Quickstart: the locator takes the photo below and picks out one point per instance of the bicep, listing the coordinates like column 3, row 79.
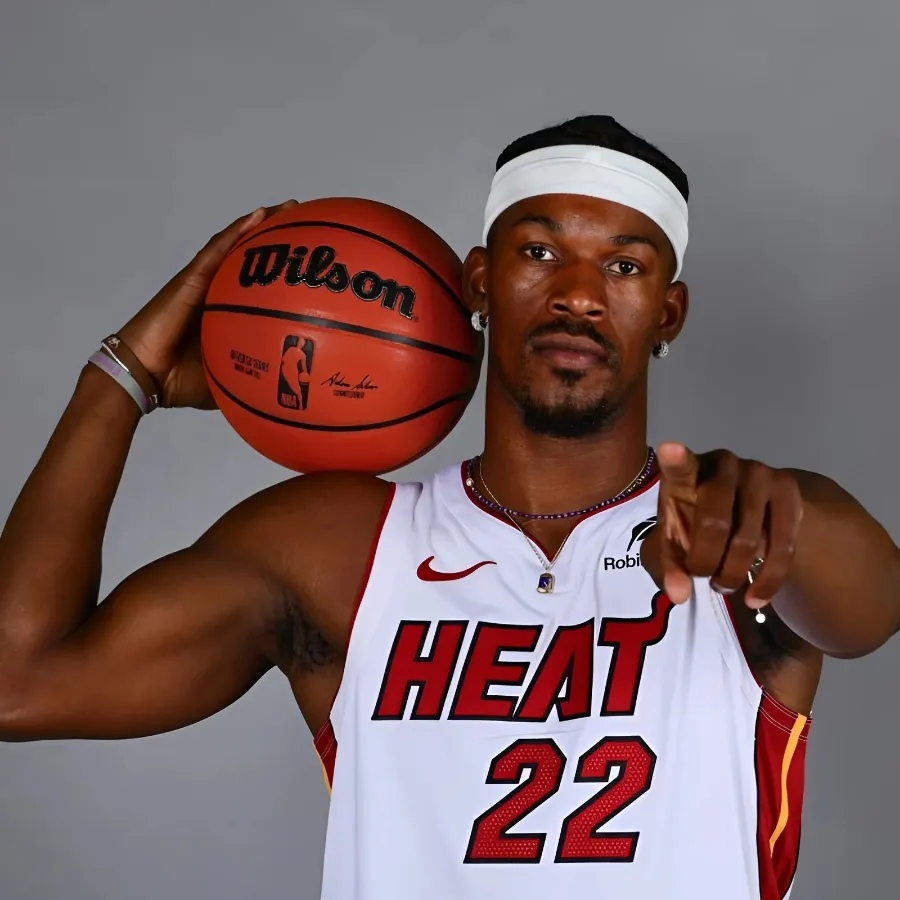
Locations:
column 177, row 641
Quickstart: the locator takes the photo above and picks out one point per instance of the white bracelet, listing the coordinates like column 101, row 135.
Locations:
column 124, row 378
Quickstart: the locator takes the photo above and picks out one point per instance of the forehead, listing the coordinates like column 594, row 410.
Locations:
column 581, row 216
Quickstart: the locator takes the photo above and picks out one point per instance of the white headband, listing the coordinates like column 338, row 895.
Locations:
column 592, row 172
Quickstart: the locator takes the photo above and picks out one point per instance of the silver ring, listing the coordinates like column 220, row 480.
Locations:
column 754, row 569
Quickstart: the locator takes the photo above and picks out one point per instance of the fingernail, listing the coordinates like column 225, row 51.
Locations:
column 722, row 590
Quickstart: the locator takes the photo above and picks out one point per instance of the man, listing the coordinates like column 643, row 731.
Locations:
column 567, row 667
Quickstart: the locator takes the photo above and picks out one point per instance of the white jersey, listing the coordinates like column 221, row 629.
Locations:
column 489, row 741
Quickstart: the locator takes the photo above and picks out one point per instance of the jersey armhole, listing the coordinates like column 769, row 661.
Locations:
column 325, row 740
column 779, row 760
column 731, row 646
column 735, row 654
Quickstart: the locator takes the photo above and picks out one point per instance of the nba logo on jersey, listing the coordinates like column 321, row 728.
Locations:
column 293, row 376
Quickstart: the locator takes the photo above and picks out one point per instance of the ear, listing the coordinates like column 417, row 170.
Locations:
column 475, row 280
column 674, row 311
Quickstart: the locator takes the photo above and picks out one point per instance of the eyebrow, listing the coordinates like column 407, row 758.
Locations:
column 546, row 221
column 618, row 240
column 623, row 240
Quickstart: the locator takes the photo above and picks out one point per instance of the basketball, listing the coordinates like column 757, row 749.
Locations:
column 334, row 337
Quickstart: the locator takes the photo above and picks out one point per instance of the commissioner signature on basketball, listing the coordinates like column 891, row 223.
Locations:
column 364, row 384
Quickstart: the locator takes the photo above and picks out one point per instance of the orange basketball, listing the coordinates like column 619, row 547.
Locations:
column 334, row 337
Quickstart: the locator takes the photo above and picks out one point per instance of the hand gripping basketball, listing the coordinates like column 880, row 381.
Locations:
column 165, row 334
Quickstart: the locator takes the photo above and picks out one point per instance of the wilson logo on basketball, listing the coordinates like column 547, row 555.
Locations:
column 293, row 377
column 356, row 380
column 295, row 266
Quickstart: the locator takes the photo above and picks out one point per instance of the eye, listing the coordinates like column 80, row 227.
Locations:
column 625, row 267
column 538, row 253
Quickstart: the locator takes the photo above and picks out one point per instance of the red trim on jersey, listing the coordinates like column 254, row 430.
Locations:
column 372, row 551
column 501, row 518
column 326, row 746
column 780, row 765
column 325, row 741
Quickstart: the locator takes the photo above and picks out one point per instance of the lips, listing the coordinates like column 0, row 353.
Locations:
column 566, row 351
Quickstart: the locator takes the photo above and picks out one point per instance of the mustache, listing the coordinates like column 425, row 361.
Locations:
column 574, row 329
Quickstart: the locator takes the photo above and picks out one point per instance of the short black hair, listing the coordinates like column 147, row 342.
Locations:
column 598, row 131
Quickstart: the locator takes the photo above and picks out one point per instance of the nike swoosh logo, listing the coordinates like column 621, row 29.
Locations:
column 426, row 573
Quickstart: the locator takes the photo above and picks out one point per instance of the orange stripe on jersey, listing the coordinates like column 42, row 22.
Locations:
column 326, row 746
column 780, row 775
column 789, row 750
column 325, row 777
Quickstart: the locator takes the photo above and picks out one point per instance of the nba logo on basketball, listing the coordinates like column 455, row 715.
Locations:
column 293, row 377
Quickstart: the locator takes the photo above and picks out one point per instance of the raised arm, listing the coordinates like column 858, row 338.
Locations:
column 177, row 641
column 184, row 636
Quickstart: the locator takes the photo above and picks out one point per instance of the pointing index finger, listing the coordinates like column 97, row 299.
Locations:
column 677, row 582
column 677, row 465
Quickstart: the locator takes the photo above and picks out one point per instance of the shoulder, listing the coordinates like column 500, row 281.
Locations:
column 310, row 538
column 305, row 516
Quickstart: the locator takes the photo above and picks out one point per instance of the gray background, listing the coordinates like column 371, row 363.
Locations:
column 131, row 131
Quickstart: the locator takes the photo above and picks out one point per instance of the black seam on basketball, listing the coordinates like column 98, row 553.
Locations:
column 375, row 237
column 312, row 426
column 339, row 326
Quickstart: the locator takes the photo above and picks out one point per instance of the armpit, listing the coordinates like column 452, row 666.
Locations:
column 785, row 665
column 301, row 646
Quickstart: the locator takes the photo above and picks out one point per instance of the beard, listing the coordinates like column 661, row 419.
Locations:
column 568, row 415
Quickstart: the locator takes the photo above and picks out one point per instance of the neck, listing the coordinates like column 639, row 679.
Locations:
column 540, row 474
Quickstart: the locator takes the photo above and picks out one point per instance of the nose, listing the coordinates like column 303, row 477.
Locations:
column 579, row 291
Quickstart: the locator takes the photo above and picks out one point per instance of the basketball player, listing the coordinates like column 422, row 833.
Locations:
column 568, row 667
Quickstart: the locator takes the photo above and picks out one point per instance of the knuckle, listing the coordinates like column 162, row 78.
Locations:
column 730, row 458
column 758, row 472
column 197, row 262
column 191, row 280
column 744, row 544
column 784, row 480
column 727, row 464
column 787, row 486
column 715, row 525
